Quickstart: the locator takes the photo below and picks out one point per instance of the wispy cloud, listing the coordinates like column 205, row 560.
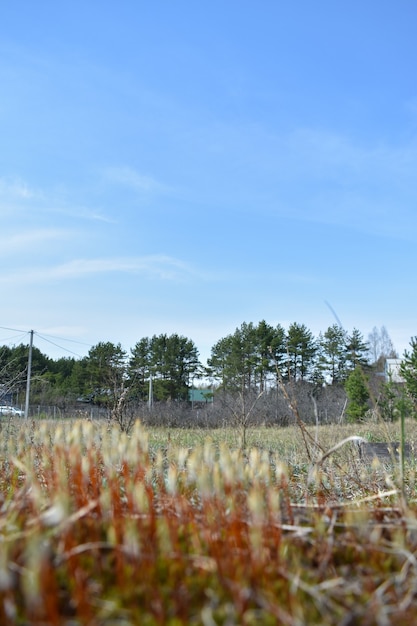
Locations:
column 16, row 188
column 70, row 332
column 18, row 196
column 84, row 213
column 330, row 154
column 28, row 240
column 331, row 178
column 15, row 194
column 129, row 177
column 154, row 266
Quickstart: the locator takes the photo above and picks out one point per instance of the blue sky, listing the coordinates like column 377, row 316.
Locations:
column 189, row 166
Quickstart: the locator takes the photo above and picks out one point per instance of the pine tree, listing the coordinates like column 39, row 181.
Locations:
column 332, row 359
column 173, row 362
column 301, row 351
column 356, row 350
column 140, row 369
column 245, row 359
column 106, row 372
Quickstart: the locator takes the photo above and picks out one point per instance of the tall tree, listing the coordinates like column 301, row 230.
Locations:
column 246, row 359
column 172, row 361
column 106, row 372
column 302, row 349
column 278, row 351
column 140, row 369
column 235, row 358
column 270, row 351
column 246, row 350
column 333, row 353
column 181, row 365
column 78, row 383
column 357, row 350
column 219, row 362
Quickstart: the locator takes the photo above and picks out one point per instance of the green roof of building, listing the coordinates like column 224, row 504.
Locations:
column 200, row 395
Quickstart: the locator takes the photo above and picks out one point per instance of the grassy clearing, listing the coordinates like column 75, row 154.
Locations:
column 183, row 527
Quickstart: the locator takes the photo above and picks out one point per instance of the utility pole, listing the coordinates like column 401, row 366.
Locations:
column 29, row 375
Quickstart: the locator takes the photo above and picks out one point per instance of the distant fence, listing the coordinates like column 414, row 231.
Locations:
column 55, row 412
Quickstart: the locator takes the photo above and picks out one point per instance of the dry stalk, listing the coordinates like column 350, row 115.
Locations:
column 294, row 408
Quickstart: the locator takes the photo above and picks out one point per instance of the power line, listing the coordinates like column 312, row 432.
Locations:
column 28, row 378
column 16, row 330
column 82, row 343
column 21, row 335
column 44, row 337
column 60, row 347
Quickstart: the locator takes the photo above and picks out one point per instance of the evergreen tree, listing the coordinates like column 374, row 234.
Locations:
column 172, row 361
column 357, row 350
column 301, row 349
column 333, row 353
column 264, row 339
column 106, row 372
column 235, row 358
column 219, row 363
column 358, row 395
column 319, row 374
column 79, row 382
column 245, row 359
column 59, row 372
column 140, row 369
column 393, row 401
column 182, row 365
column 408, row 370
column 278, row 351
column 245, row 352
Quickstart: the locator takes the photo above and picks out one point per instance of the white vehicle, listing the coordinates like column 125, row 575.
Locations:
column 12, row 411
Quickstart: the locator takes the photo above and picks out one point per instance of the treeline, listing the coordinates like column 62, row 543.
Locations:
column 254, row 357
column 105, row 373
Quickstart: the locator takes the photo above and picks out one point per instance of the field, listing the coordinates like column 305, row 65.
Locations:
column 183, row 527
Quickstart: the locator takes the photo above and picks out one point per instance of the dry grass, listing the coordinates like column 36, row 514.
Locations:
column 176, row 528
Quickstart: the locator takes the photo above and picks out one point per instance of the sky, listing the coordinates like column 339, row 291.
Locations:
column 184, row 167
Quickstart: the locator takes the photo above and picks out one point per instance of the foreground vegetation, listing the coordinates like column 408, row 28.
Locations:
column 186, row 527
